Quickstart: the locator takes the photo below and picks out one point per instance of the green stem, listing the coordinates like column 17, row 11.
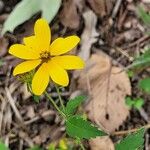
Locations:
column 59, row 96
column 54, row 104
column 80, row 143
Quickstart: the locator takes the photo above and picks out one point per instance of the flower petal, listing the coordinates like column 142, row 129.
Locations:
column 23, row 52
column 63, row 45
column 58, row 74
column 30, row 41
column 26, row 66
column 69, row 62
column 40, row 80
column 42, row 33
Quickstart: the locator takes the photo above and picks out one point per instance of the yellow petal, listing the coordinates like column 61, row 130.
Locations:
column 63, row 45
column 40, row 80
column 31, row 42
column 26, row 66
column 69, row 62
column 58, row 74
column 23, row 52
column 42, row 33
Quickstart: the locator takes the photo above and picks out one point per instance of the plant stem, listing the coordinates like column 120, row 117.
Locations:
column 54, row 104
column 80, row 143
column 59, row 96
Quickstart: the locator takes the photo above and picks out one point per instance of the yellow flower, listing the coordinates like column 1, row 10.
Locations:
column 49, row 59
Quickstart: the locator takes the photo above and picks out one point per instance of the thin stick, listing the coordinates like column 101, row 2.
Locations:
column 13, row 106
column 116, row 8
column 130, row 131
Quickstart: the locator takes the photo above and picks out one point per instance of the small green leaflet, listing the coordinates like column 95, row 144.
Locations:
column 73, row 104
column 3, row 147
column 27, row 8
column 136, row 103
column 133, row 141
column 145, row 85
column 36, row 98
column 77, row 127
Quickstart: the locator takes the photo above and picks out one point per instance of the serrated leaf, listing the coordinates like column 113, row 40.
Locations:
column 73, row 104
column 77, row 127
column 145, row 85
column 3, row 146
column 133, row 141
column 27, row 8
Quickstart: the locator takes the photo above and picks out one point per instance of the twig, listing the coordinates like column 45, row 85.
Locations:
column 44, row 114
column 116, row 8
column 124, row 53
column 25, row 137
column 12, row 104
column 144, row 114
column 140, row 40
column 130, row 131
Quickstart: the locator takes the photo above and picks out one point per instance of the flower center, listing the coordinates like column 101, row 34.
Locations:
column 45, row 56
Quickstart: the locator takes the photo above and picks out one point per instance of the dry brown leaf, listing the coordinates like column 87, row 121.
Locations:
column 69, row 16
column 101, row 7
column 101, row 143
column 89, row 35
column 108, row 89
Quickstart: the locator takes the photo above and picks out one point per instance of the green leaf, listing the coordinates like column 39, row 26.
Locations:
column 35, row 148
column 130, row 73
column 3, row 146
column 145, row 85
column 77, row 127
column 141, row 61
column 36, row 98
column 52, row 146
column 50, row 8
column 27, row 8
column 139, row 102
column 133, row 141
column 73, row 104
column 144, row 16
column 129, row 102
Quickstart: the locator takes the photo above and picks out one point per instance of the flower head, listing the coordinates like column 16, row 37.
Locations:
column 48, row 59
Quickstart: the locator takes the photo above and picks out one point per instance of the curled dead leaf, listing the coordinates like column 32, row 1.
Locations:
column 108, row 89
